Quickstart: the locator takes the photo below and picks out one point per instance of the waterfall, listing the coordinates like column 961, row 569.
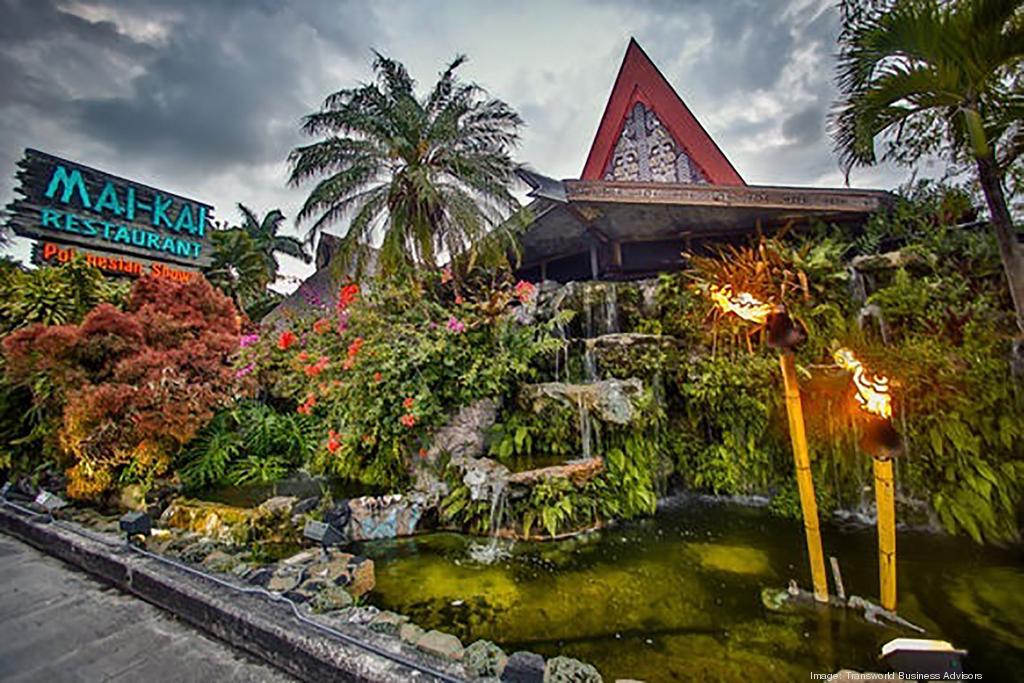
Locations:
column 588, row 314
column 584, row 428
column 495, row 548
column 589, row 363
column 611, row 309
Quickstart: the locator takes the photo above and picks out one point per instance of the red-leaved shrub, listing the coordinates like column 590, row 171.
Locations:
column 132, row 386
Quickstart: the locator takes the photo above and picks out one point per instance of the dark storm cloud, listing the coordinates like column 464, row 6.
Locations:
column 211, row 84
column 805, row 126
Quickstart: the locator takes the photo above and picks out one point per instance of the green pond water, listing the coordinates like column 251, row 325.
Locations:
column 677, row 597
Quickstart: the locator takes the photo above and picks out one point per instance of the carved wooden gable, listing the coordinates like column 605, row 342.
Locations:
column 647, row 152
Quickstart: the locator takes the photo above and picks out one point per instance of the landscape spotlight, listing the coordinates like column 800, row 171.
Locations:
column 322, row 533
column 136, row 524
column 48, row 501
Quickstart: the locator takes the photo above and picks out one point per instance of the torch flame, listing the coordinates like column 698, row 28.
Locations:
column 872, row 393
column 743, row 304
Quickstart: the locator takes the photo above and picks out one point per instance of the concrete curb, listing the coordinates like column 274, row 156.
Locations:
column 266, row 630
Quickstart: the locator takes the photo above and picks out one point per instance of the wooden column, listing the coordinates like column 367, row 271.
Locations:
column 805, row 483
column 595, row 270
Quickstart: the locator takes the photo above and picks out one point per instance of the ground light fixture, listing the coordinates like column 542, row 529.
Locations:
column 323, row 533
column 136, row 524
column 882, row 443
column 785, row 335
column 49, row 501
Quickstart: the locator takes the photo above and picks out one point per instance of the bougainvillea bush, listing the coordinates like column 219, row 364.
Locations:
column 129, row 387
column 392, row 362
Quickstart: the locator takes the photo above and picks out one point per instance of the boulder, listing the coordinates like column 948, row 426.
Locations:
column 220, row 561
column 484, row 659
column 377, row 517
column 388, row 623
column 410, row 632
column 523, row 667
column 568, row 670
column 441, row 645
column 330, row 599
column 576, row 471
column 223, row 523
column 610, row 400
column 354, row 573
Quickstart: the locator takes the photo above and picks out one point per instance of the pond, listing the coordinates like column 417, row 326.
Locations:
column 677, row 597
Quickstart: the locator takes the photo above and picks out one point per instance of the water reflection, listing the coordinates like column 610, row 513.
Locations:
column 677, row 597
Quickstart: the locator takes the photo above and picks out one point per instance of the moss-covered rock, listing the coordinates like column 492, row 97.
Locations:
column 484, row 659
column 568, row 670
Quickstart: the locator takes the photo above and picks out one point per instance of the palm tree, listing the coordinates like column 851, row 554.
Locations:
column 239, row 267
column 421, row 176
column 267, row 241
column 937, row 75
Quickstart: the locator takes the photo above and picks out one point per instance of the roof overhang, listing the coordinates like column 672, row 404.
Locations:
column 636, row 212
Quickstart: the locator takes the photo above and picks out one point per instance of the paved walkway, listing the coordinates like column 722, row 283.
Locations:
column 58, row 624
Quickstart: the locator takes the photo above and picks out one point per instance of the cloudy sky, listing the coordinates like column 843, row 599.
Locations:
column 204, row 97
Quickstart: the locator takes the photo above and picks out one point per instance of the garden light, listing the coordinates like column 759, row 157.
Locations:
column 49, row 501
column 324, row 534
column 785, row 335
column 136, row 524
column 882, row 443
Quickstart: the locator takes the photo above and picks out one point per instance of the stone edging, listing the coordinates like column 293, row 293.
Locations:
column 250, row 623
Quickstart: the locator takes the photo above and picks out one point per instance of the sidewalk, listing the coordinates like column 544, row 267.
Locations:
column 60, row 625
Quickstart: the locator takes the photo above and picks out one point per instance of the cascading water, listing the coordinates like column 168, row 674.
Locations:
column 589, row 363
column 611, row 309
column 495, row 548
column 585, row 429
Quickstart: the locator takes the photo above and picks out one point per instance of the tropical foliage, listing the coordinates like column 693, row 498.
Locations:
column 390, row 364
column 422, row 176
column 128, row 388
column 938, row 77
column 245, row 260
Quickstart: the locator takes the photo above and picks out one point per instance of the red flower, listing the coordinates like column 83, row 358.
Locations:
column 353, row 351
column 322, row 325
column 446, row 275
column 377, row 377
column 408, row 402
column 408, row 420
column 303, row 356
column 459, row 300
column 307, row 407
column 333, row 441
column 318, row 367
column 286, row 339
column 348, row 294
column 423, row 452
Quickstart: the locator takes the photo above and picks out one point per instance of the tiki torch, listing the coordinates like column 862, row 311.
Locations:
column 785, row 335
column 882, row 443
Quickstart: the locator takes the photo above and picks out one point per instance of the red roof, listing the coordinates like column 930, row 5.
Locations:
column 639, row 80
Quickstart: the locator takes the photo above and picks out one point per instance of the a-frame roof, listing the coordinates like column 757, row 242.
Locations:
column 639, row 80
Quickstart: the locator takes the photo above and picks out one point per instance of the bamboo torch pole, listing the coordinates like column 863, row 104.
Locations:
column 885, row 503
column 805, row 483
column 883, row 443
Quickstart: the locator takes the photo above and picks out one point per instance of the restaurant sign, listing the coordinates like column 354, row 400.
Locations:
column 65, row 203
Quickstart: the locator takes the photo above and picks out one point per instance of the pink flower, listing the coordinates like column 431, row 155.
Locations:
column 455, row 325
column 248, row 340
column 408, row 420
column 242, row 372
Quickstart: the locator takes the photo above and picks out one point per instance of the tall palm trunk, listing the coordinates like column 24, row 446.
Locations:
column 1006, row 236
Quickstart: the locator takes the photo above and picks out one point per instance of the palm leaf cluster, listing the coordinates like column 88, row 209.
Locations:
column 245, row 261
column 938, row 76
column 925, row 72
column 419, row 178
